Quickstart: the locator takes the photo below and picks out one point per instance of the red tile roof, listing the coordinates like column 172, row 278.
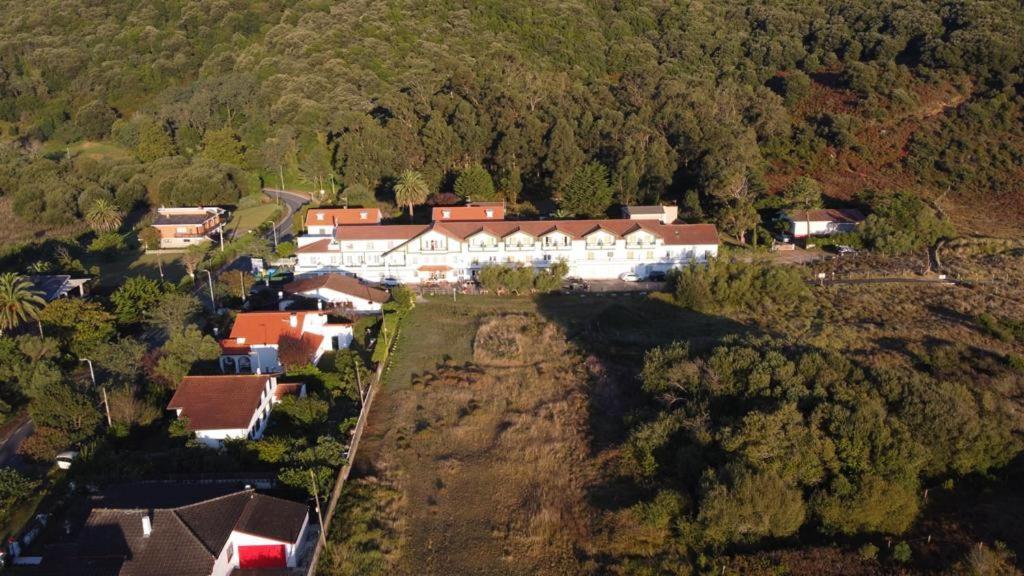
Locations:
column 287, row 389
column 266, row 328
column 472, row 212
column 219, row 402
column 677, row 234
column 318, row 247
column 342, row 216
column 338, row 283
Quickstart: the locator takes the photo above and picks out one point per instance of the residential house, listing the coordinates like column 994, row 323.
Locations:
column 183, row 227
column 339, row 290
column 263, row 342
column 663, row 214
column 454, row 251
column 59, row 286
column 322, row 221
column 474, row 211
column 224, row 407
column 189, row 533
column 822, row 222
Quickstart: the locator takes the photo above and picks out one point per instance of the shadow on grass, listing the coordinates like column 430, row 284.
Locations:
column 616, row 331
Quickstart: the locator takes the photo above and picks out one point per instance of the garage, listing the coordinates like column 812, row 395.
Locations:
column 269, row 556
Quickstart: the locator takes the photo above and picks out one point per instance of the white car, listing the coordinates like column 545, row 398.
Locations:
column 840, row 249
column 390, row 282
column 629, row 277
column 64, row 459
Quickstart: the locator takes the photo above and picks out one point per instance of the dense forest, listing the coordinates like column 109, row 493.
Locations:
column 718, row 105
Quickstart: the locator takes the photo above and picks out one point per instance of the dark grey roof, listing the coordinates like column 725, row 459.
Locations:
column 646, row 209
column 178, row 219
column 185, row 540
column 52, row 286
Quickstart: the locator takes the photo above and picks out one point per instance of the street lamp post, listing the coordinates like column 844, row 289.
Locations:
column 92, row 374
column 213, row 301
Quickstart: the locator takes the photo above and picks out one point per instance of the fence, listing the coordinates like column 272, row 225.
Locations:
column 339, row 483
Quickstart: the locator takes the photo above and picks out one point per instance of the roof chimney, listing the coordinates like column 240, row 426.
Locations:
column 147, row 526
column 293, row 320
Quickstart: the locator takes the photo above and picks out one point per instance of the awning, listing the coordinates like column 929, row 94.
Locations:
column 435, row 268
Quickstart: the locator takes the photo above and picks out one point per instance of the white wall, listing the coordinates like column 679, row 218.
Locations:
column 340, row 298
column 599, row 256
column 798, row 228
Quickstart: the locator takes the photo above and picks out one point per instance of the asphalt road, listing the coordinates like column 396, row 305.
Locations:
column 291, row 201
column 9, row 449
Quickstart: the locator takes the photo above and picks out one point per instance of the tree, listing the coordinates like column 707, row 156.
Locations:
column 475, row 183
column 587, row 193
column 61, row 407
column 751, row 507
column 411, row 189
column 19, row 301
column 173, row 312
column 14, row 488
column 194, row 256
column 149, row 237
column 738, row 216
column 803, row 193
column 224, row 146
column 902, row 223
column 81, row 325
column 563, row 156
column 103, row 215
column 93, row 120
column 135, row 298
column 153, row 142
column 184, row 350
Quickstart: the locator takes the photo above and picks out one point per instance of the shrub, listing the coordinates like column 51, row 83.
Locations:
column 902, row 553
column 868, row 551
column 107, row 244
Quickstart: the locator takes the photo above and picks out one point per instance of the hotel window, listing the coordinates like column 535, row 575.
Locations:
column 590, row 255
column 630, row 255
column 547, row 257
column 611, row 255
column 650, row 254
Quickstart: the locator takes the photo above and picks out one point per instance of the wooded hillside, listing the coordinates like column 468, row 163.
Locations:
column 721, row 103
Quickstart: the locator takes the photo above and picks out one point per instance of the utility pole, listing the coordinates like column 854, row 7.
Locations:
column 213, row 301
column 333, row 191
column 92, row 375
column 312, row 480
column 221, row 230
column 160, row 266
column 359, row 381
column 274, row 228
column 241, row 281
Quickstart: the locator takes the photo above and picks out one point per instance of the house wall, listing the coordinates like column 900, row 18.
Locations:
column 291, row 548
column 798, row 228
column 599, row 255
column 340, row 298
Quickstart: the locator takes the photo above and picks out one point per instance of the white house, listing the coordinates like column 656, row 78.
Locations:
column 224, row 407
column 452, row 251
column 663, row 214
column 257, row 338
column 338, row 290
column 822, row 222
column 214, row 536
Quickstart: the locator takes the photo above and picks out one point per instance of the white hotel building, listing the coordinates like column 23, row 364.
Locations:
column 453, row 251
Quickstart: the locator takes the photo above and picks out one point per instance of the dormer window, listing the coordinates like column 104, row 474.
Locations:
column 363, row 215
column 320, row 216
column 446, row 213
column 489, row 213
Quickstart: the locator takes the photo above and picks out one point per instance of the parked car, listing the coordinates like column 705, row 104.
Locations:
column 657, row 277
column 629, row 277
column 389, row 282
column 783, row 238
column 843, row 250
column 64, row 459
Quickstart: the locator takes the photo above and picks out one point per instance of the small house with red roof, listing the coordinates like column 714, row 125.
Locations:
column 823, row 222
column 229, row 406
column 340, row 291
column 265, row 342
column 322, row 221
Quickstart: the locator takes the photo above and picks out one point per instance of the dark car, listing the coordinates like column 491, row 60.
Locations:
column 657, row 277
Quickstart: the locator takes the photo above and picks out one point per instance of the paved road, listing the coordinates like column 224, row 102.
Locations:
column 291, row 201
column 9, row 448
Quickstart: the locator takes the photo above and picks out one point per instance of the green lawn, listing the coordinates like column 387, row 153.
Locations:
column 136, row 263
column 245, row 219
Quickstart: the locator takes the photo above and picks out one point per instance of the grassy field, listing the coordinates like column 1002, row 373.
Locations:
column 491, row 427
column 245, row 219
column 137, row 263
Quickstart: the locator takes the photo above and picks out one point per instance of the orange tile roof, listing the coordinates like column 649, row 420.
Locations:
column 218, row 402
column 287, row 389
column 470, row 213
column 320, row 246
column 828, row 215
column 338, row 283
column 342, row 216
column 263, row 328
column 677, row 234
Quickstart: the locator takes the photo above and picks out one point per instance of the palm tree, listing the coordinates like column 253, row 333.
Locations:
column 19, row 301
column 411, row 189
column 103, row 216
